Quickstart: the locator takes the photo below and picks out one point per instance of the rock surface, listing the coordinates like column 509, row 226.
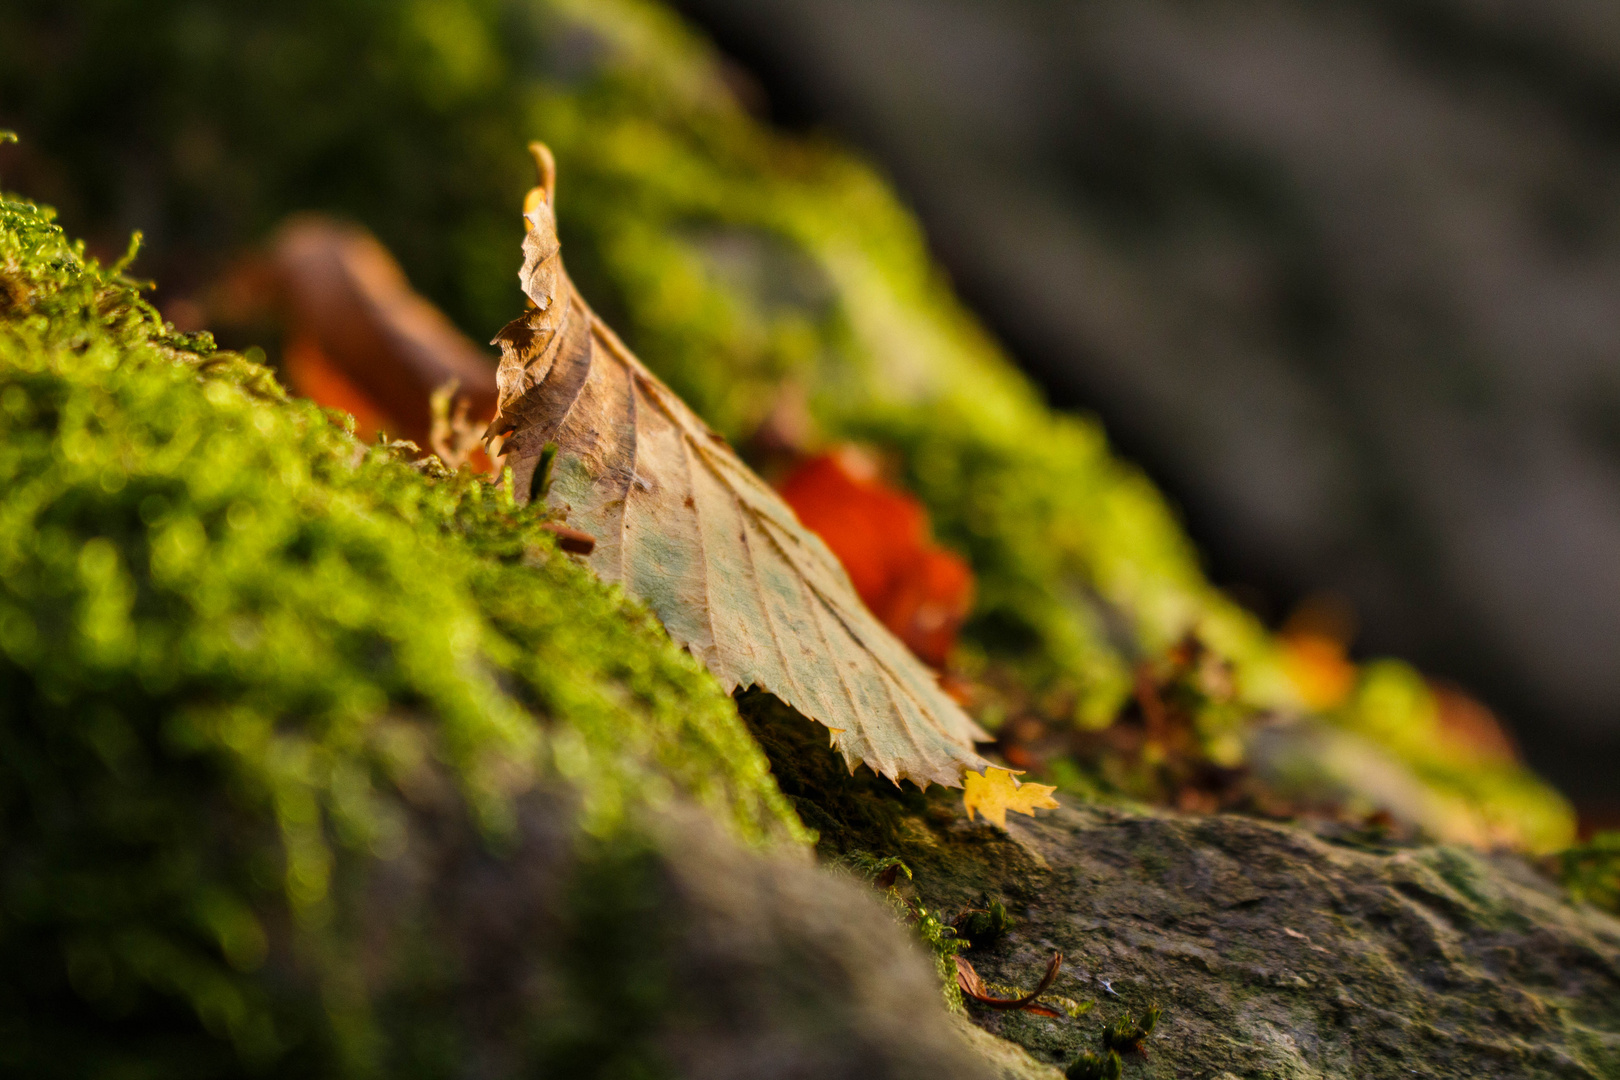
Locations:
column 685, row 956
column 1274, row 949
column 1278, row 953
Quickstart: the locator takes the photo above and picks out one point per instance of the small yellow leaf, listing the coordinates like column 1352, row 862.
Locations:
column 996, row 792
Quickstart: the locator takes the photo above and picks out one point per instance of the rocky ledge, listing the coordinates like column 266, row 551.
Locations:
column 1273, row 949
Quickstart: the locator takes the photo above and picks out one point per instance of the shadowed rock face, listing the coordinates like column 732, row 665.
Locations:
column 1343, row 275
column 674, row 953
column 684, row 955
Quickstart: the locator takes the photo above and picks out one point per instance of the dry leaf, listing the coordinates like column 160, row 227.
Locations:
column 350, row 305
column 996, row 792
column 685, row 526
column 454, row 437
column 972, row 986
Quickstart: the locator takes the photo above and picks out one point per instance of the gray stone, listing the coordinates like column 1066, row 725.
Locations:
column 1277, row 952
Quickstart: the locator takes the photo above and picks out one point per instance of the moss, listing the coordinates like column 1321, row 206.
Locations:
column 986, row 924
column 1125, row 1035
column 1591, row 871
column 235, row 645
column 1091, row 1065
column 942, row 941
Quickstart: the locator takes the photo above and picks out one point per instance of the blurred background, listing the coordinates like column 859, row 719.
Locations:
column 1344, row 276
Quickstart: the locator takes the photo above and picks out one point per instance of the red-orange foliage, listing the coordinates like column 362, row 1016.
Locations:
column 919, row 590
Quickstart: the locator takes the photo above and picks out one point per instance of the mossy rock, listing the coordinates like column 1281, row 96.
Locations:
column 319, row 763
column 271, row 696
column 315, row 763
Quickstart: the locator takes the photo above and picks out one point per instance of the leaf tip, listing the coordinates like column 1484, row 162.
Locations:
column 545, row 167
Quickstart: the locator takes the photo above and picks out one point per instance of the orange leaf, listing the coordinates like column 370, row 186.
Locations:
column 918, row 590
column 1319, row 669
column 311, row 374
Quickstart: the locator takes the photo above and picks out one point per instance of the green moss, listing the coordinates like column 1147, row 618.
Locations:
column 233, row 641
column 891, row 877
column 1125, row 1034
column 985, row 925
column 1591, row 871
column 1091, row 1065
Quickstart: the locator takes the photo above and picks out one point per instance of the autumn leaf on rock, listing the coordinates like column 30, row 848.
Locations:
column 688, row 528
column 996, row 792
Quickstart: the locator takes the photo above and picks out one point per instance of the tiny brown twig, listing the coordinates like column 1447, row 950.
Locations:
column 1155, row 717
column 570, row 540
column 973, row 987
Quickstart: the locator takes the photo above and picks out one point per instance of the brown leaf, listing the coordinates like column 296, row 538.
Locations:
column 685, row 526
column 973, row 987
column 352, row 309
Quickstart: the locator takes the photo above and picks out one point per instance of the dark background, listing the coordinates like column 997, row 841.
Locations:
column 1344, row 275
